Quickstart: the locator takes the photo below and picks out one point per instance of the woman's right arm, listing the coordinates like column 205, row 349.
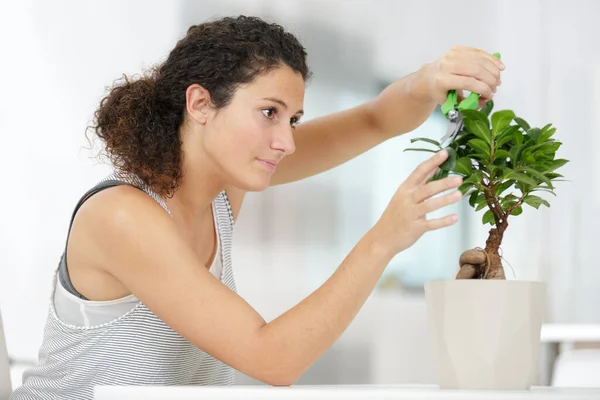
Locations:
column 151, row 258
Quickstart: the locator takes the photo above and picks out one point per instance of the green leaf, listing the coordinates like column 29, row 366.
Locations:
column 431, row 141
column 543, row 156
column 535, row 134
column 539, row 189
column 522, row 123
column 547, row 132
column 509, row 198
column 487, row 108
column 501, row 119
column 515, row 153
column 556, row 164
column 501, row 154
column 481, row 205
column 503, row 186
column 463, row 138
column 480, row 147
column 506, row 135
column 552, row 175
column 518, row 138
column 450, row 162
column 517, row 211
column 535, row 174
column 464, row 166
column 535, row 201
column 465, row 187
column 480, row 198
column 519, row 177
column 475, row 177
column 546, row 147
column 428, row 150
column 478, row 129
column 488, row 218
column 483, row 157
column 439, row 174
column 474, row 115
column 473, row 198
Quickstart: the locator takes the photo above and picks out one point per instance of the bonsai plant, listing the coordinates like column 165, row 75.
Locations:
column 486, row 329
column 505, row 164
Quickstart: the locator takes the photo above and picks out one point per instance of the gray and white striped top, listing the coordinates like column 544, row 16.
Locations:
column 135, row 349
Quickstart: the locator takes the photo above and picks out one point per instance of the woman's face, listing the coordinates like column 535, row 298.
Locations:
column 246, row 139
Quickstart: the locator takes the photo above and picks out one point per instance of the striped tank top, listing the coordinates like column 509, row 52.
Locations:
column 137, row 348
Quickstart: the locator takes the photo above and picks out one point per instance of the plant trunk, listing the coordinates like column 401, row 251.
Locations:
column 484, row 263
column 493, row 268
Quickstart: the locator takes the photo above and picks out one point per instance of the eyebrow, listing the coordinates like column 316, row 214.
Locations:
column 282, row 103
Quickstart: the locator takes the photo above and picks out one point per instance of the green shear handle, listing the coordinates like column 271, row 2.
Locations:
column 452, row 111
column 470, row 103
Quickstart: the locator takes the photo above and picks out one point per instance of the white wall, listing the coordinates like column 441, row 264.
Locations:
column 57, row 57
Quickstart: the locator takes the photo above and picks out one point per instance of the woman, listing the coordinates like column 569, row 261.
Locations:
column 148, row 296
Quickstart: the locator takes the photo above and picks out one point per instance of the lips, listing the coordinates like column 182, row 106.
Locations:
column 271, row 164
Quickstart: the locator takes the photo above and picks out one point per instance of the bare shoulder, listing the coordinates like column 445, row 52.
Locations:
column 120, row 209
column 236, row 198
column 115, row 218
column 105, row 227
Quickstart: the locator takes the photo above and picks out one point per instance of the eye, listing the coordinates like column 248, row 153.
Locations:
column 269, row 112
column 294, row 121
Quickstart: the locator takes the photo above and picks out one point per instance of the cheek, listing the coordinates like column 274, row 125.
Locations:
column 249, row 135
column 236, row 139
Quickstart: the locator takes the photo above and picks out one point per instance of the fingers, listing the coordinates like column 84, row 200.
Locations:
column 424, row 170
column 439, row 223
column 436, row 203
column 492, row 58
column 490, row 77
column 493, row 69
column 436, row 187
column 429, row 176
column 471, row 84
column 471, row 69
column 483, row 53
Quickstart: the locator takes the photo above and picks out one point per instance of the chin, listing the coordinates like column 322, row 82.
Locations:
column 254, row 183
column 258, row 186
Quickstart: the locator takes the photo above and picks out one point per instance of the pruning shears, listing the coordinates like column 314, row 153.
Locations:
column 452, row 110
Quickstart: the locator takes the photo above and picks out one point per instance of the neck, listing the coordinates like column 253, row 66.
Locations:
column 200, row 185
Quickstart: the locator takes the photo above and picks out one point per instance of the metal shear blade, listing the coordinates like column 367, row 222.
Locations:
column 456, row 124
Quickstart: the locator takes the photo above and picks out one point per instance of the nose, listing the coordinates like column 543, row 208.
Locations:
column 284, row 141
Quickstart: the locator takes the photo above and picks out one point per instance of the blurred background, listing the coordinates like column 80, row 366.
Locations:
column 58, row 57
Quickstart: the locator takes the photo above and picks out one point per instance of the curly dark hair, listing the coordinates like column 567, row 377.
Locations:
column 139, row 119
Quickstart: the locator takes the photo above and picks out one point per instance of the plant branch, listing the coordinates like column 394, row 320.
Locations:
column 490, row 197
column 516, row 205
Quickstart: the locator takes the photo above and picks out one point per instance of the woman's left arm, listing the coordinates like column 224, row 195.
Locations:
column 326, row 142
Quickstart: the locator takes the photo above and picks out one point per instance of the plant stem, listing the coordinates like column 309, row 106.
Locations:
column 494, row 269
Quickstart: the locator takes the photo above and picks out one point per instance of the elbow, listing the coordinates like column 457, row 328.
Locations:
column 275, row 362
column 280, row 380
column 279, row 375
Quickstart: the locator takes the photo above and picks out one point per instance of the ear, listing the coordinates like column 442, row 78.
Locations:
column 197, row 103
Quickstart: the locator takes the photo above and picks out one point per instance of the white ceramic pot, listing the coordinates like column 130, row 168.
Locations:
column 486, row 333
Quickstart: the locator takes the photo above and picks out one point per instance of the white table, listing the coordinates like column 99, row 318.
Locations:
column 370, row 392
column 570, row 333
column 557, row 335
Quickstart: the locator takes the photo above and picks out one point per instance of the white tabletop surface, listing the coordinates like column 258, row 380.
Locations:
column 370, row 392
column 570, row 333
